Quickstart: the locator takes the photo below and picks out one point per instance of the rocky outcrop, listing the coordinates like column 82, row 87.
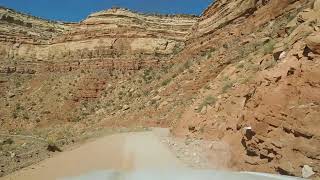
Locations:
column 261, row 95
column 18, row 28
column 222, row 13
column 313, row 42
column 111, row 39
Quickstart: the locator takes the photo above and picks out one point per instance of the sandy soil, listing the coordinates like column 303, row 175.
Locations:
column 127, row 151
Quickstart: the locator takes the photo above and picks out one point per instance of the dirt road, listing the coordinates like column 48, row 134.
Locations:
column 127, row 151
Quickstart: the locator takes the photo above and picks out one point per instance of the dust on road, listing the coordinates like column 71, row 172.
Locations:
column 127, row 151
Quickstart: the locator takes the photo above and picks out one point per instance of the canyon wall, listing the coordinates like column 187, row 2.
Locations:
column 264, row 99
column 112, row 39
column 246, row 72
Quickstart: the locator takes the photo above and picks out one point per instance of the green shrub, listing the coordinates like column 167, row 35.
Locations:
column 269, row 47
column 187, row 64
column 26, row 116
column 227, row 85
column 153, row 101
column 148, row 75
column 207, row 54
column 15, row 114
column 240, row 66
column 166, row 82
column 209, row 100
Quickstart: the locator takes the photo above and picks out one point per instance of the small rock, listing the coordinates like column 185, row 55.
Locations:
column 170, row 100
column 191, row 128
column 271, row 155
column 11, row 95
column 126, row 107
column 245, row 129
column 12, row 154
column 249, row 133
column 156, row 98
column 164, row 103
column 282, row 55
column 100, row 111
column 210, row 146
column 307, row 171
column 203, row 110
column 291, row 71
column 53, row 148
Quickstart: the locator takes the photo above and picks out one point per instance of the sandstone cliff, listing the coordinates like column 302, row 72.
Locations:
column 111, row 39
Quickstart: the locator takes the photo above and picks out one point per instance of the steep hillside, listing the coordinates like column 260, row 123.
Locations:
column 248, row 76
column 245, row 73
column 115, row 41
column 53, row 75
column 260, row 85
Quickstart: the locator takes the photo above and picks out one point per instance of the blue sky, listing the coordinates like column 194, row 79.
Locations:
column 76, row 10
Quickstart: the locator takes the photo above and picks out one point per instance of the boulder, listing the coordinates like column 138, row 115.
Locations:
column 307, row 171
column 307, row 15
column 313, row 43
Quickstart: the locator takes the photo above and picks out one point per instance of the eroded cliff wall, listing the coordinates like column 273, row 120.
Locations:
column 111, row 39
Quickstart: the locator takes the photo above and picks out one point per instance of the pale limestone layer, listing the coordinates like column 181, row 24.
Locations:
column 116, row 34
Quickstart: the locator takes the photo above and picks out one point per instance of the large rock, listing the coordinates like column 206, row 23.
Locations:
column 313, row 42
column 308, row 15
column 307, row 171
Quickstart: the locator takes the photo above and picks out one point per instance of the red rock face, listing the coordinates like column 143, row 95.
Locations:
column 111, row 40
column 282, row 112
column 277, row 102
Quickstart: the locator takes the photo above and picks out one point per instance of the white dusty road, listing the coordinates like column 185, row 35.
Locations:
column 127, row 151
column 127, row 156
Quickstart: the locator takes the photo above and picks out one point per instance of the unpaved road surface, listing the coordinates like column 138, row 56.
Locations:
column 127, row 151
column 131, row 156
